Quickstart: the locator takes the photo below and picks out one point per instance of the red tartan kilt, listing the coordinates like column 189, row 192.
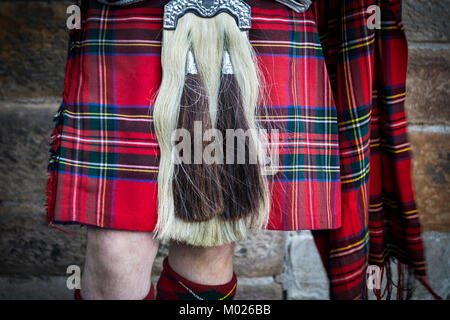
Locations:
column 104, row 161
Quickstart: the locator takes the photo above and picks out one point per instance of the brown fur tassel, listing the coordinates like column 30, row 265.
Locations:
column 196, row 186
column 242, row 184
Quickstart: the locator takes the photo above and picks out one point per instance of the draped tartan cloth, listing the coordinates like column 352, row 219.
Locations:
column 105, row 155
column 380, row 222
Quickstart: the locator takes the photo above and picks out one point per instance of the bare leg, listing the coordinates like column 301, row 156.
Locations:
column 203, row 265
column 118, row 264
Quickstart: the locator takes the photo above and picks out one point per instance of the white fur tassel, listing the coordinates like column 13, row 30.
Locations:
column 207, row 39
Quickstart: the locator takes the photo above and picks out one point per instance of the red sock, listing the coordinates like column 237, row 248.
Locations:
column 77, row 295
column 172, row 286
column 150, row 296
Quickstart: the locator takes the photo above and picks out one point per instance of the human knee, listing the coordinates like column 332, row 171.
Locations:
column 118, row 264
column 113, row 252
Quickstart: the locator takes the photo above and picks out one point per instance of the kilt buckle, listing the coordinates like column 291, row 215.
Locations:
column 238, row 9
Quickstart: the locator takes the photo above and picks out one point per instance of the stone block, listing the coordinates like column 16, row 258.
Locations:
column 437, row 251
column 264, row 288
column 29, row 248
column 24, row 149
column 431, row 174
column 34, row 288
column 303, row 277
column 428, row 86
column 260, row 255
column 34, row 48
column 427, row 20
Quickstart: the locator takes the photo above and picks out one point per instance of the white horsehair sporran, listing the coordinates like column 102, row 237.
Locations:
column 210, row 85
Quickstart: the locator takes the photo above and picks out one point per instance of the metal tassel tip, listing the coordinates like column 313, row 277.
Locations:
column 227, row 67
column 191, row 67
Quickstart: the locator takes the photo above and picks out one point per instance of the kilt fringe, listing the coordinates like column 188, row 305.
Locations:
column 49, row 192
column 387, row 230
column 405, row 283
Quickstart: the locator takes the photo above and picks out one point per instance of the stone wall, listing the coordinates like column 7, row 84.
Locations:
column 270, row 265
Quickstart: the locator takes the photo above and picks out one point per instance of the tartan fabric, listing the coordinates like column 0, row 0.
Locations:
column 348, row 50
column 104, row 165
column 395, row 230
column 172, row 286
column 379, row 217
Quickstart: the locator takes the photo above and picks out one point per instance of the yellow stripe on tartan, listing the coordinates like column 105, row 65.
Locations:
column 106, row 167
column 365, row 190
column 402, row 150
column 398, row 151
column 356, row 46
column 395, row 96
column 411, row 211
column 362, row 241
column 286, row 46
column 106, row 122
column 376, row 205
column 293, row 91
column 107, row 114
column 378, row 260
column 382, row 259
column 330, row 204
column 356, row 179
column 390, row 28
column 356, row 120
column 311, row 170
column 228, row 294
column 76, row 45
column 296, row 116
column 365, row 172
